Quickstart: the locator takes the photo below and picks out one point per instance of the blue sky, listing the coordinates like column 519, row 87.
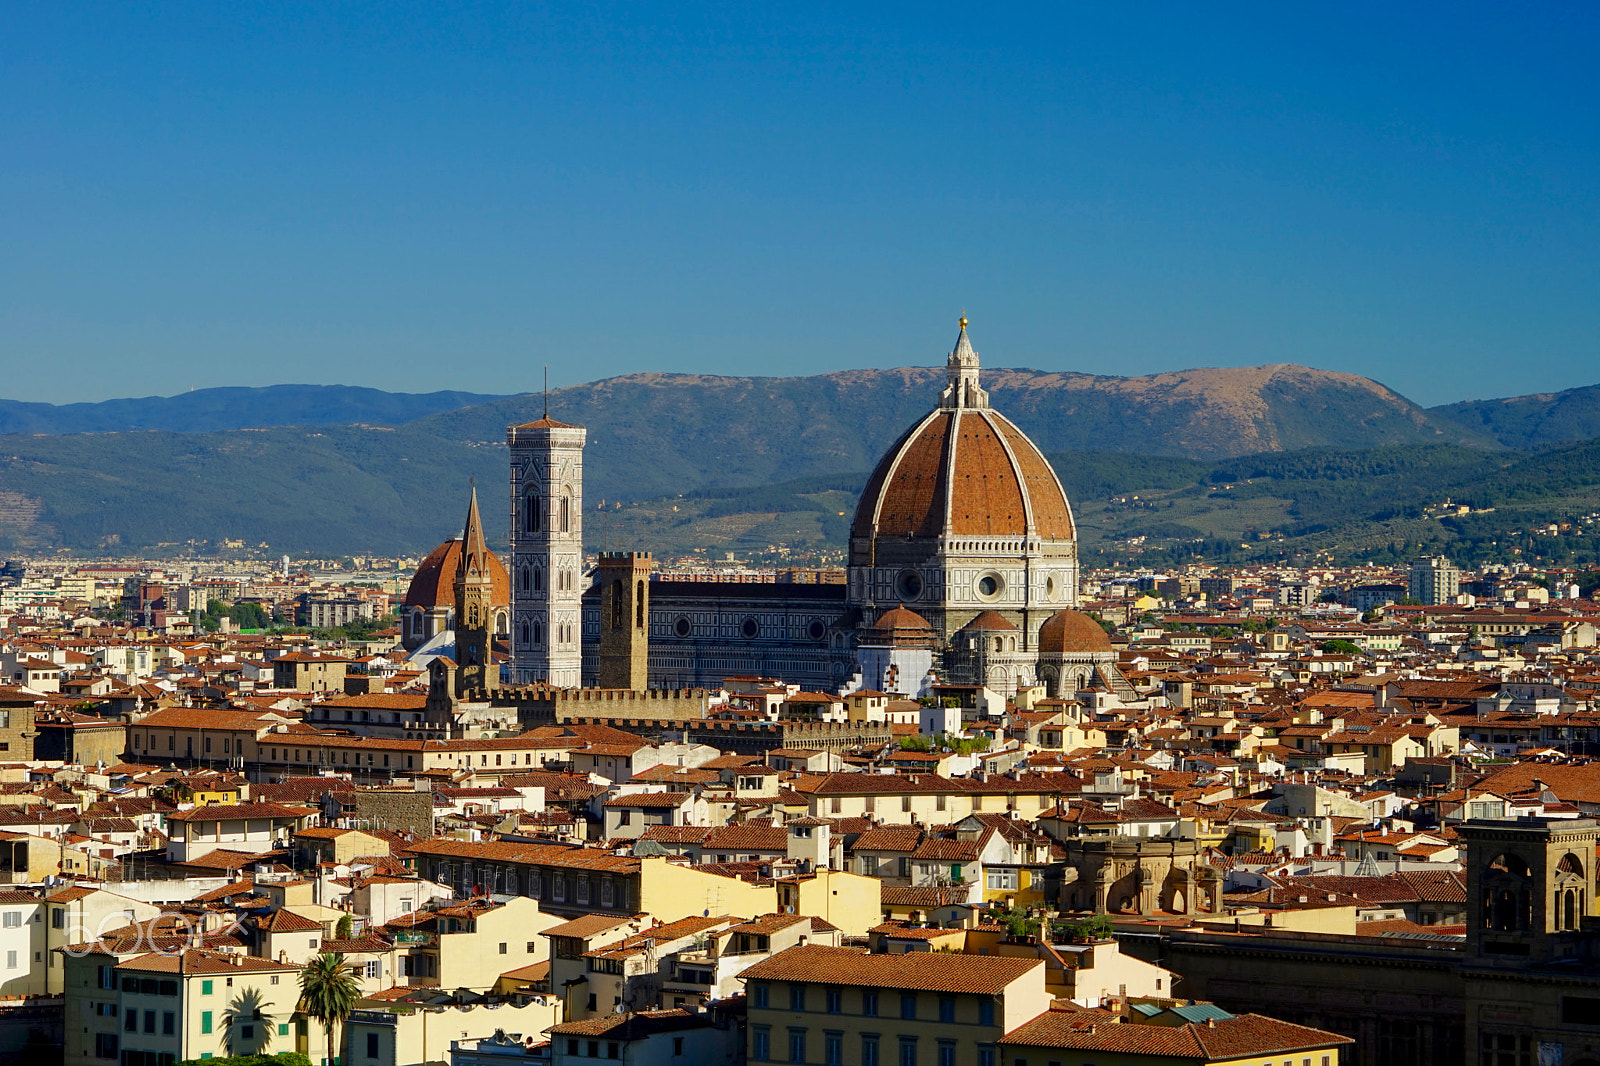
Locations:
column 430, row 196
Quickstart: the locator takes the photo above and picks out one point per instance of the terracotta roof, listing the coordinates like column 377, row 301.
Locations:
column 1246, row 1035
column 531, row 854
column 388, row 701
column 203, row 718
column 988, row 622
column 969, row 473
column 433, row 585
column 198, row 961
column 748, row 838
column 634, row 1026
column 926, row 971
column 587, row 926
column 921, row 895
column 1072, row 633
column 899, row 627
column 649, row 800
column 546, row 423
column 217, row 812
column 283, row 921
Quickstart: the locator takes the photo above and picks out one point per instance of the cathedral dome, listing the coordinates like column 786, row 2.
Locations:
column 1072, row 633
column 988, row 622
column 963, row 471
column 899, row 628
column 433, row 585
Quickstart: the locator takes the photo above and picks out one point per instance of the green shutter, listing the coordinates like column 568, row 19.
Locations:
column 205, row 1019
column 283, row 1030
column 205, row 988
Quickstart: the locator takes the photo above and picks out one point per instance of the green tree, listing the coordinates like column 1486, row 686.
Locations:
column 1341, row 647
column 249, row 616
column 328, row 993
column 1095, row 927
column 246, row 1012
column 342, row 930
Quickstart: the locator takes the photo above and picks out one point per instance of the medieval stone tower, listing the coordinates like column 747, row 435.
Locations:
column 546, row 552
column 1529, row 886
column 624, row 581
column 474, row 588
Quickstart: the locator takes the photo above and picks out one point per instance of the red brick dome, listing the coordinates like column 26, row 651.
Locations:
column 899, row 627
column 433, row 585
column 965, row 472
column 1072, row 633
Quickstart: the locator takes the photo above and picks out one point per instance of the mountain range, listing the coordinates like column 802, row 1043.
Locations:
column 340, row 470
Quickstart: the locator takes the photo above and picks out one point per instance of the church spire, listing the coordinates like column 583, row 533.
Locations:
column 474, row 548
column 961, row 388
column 474, row 588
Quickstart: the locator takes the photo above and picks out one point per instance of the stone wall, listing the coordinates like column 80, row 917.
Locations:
column 754, row 738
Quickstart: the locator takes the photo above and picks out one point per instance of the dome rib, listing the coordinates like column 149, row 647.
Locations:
column 988, row 497
column 1069, row 632
column 1050, row 512
column 905, row 493
column 963, row 470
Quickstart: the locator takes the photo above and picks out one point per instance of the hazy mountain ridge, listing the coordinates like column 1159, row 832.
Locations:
column 1527, row 421
column 210, row 410
column 356, row 485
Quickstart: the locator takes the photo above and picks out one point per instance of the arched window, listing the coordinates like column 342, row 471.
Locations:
column 523, row 634
column 532, row 520
column 523, row 580
column 538, row 635
column 566, row 510
column 538, row 578
column 638, row 608
column 618, row 616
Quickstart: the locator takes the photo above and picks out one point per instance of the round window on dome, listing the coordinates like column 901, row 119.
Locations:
column 816, row 629
column 751, row 628
column 1049, row 588
column 908, row 584
column 990, row 585
column 682, row 626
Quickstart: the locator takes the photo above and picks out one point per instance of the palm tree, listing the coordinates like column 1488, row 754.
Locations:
column 246, row 1010
column 328, row 993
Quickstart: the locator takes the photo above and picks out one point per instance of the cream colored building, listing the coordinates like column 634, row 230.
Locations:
column 470, row 944
column 824, row 1004
column 403, row 1034
column 156, row 1008
column 76, row 915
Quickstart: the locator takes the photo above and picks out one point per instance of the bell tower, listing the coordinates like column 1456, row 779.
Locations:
column 624, row 579
column 546, row 552
column 474, row 588
column 1530, row 886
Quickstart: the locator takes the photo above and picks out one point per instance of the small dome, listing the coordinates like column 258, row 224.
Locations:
column 901, row 628
column 434, row 584
column 1072, row 633
column 988, row 622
